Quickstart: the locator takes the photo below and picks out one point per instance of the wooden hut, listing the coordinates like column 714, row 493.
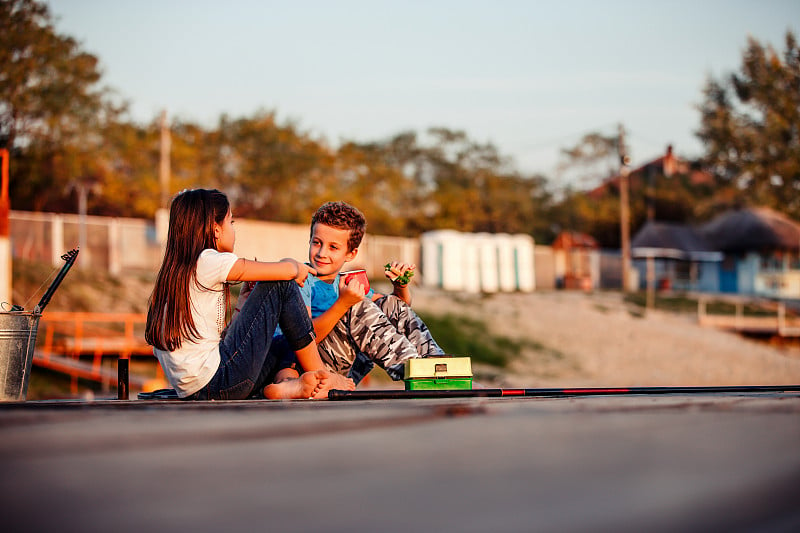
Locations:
column 577, row 261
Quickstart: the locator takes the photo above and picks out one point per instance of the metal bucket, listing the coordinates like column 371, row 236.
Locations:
column 17, row 342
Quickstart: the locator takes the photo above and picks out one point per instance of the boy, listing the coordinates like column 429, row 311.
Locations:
column 355, row 329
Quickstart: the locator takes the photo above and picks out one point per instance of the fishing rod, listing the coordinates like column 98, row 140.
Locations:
column 543, row 393
column 70, row 258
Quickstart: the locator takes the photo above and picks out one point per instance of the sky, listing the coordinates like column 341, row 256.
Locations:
column 531, row 77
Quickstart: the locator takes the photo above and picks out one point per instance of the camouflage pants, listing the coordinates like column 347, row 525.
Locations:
column 386, row 332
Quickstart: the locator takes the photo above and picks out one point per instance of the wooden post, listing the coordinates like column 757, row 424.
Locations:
column 651, row 282
column 164, row 175
column 739, row 315
column 164, row 169
column 123, row 378
column 83, row 195
column 701, row 310
column 114, row 243
column 624, row 213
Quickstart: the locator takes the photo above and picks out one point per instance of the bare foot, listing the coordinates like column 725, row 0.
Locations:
column 286, row 373
column 334, row 381
column 343, row 383
column 303, row 387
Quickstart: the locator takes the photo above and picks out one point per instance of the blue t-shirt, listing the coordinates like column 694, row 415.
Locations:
column 320, row 295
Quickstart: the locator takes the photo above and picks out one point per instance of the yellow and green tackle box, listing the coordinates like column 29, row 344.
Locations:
column 438, row 373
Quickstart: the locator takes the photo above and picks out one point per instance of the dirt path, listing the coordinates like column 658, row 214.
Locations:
column 598, row 340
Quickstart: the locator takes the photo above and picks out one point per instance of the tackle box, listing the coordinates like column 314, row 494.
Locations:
column 438, row 373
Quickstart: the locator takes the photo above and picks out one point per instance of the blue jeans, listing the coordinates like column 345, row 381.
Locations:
column 246, row 363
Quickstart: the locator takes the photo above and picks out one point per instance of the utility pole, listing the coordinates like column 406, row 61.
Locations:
column 164, row 171
column 624, row 212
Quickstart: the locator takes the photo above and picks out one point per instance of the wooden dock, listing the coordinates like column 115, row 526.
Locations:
column 780, row 324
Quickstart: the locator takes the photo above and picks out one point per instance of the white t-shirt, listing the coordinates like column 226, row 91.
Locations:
column 191, row 367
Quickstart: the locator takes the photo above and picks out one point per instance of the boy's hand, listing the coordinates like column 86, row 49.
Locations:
column 302, row 270
column 399, row 273
column 351, row 293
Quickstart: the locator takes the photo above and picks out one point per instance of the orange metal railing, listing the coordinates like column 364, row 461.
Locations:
column 67, row 338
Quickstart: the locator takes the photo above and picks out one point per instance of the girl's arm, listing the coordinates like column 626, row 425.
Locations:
column 248, row 270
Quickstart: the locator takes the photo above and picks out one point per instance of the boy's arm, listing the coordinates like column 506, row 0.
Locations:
column 399, row 274
column 349, row 295
column 402, row 292
column 325, row 322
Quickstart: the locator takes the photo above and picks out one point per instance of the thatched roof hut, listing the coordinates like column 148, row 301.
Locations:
column 749, row 229
column 672, row 241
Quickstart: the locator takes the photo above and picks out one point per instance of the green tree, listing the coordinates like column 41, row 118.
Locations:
column 595, row 157
column 589, row 196
column 750, row 126
column 52, row 111
column 272, row 171
column 409, row 187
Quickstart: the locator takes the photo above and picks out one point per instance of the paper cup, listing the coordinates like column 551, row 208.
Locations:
column 359, row 275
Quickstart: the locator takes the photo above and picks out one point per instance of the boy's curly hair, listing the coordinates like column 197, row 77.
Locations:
column 341, row 215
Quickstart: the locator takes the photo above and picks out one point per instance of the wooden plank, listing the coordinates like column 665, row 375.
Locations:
column 752, row 324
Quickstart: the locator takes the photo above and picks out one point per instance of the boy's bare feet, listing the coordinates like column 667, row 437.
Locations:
column 334, row 381
column 304, row 387
column 286, row 373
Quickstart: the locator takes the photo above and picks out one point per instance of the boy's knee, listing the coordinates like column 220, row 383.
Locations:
column 365, row 307
column 392, row 305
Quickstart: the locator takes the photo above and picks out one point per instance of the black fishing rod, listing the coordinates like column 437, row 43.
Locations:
column 543, row 393
column 70, row 258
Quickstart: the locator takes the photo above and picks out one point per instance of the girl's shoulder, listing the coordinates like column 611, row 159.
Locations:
column 212, row 264
column 210, row 254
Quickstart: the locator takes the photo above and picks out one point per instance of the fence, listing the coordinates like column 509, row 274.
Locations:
column 112, row 244
column 124, row 245
column 130, row 245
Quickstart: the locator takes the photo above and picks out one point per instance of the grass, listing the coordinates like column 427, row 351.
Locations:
column 471, row 338
column 602, row 308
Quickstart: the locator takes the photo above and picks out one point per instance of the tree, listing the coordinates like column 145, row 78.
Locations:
column 51, row 109
column 594, row 158
column 750, row 126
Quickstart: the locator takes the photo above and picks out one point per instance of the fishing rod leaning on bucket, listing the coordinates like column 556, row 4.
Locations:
column 18, row 330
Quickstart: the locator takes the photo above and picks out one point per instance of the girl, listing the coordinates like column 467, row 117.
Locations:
column 189, row 304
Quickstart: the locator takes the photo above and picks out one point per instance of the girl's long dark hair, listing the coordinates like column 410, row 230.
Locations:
column 192, row 216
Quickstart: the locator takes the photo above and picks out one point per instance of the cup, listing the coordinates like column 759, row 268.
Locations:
column 360, row 275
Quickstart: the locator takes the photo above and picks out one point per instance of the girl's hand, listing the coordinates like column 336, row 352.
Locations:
column 399, row 273
column 302, row 270
column 351, row 293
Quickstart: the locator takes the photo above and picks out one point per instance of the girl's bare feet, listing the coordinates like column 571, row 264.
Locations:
column 304, row 387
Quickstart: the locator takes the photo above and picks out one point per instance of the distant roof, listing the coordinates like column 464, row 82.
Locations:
column 574, row 239
column 672, row 241
column 754, row 228
column 666, row 165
